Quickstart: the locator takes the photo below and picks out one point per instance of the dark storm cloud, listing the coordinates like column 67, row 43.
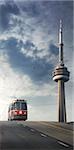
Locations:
column 31, row 8
column 5, row 11
column 49, row 12
column 53, row 49
column 45, row 13
column 38, row 69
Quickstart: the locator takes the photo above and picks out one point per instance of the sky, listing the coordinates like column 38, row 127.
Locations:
column 29, row 53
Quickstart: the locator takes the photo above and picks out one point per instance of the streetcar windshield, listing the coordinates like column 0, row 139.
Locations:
column 20, row 105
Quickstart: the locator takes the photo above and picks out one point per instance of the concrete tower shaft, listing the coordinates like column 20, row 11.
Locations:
column 61, row 75
column 62, row 105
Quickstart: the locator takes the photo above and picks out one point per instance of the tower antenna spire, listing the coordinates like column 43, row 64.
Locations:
column 61, row 61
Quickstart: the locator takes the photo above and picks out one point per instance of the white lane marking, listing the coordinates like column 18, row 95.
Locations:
column 43, row 135
column 32, row 130
column 61, row 143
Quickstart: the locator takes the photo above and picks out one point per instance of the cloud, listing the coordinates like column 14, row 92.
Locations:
column 53, row 49
column 38, row 69
column 39, row 13
column 5, row 11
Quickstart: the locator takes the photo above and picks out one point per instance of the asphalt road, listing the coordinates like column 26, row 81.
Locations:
column 18, row 136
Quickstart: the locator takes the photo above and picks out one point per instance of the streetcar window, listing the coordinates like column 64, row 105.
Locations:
column 23, row 106
column 8, row 109
column 12, row 107
column 17, row 105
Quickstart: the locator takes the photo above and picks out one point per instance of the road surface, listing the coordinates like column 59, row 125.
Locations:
column 17, row 135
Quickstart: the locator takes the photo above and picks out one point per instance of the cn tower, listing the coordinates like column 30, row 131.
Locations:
column 61, row 75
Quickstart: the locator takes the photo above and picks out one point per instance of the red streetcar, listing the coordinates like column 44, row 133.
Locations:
column 17, row 110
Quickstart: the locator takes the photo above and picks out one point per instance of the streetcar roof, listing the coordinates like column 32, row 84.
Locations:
column 18, row 100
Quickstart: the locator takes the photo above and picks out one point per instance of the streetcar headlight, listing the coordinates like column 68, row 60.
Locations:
column 20, row 112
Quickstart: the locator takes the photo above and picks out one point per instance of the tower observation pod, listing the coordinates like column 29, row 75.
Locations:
column 61, row 75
